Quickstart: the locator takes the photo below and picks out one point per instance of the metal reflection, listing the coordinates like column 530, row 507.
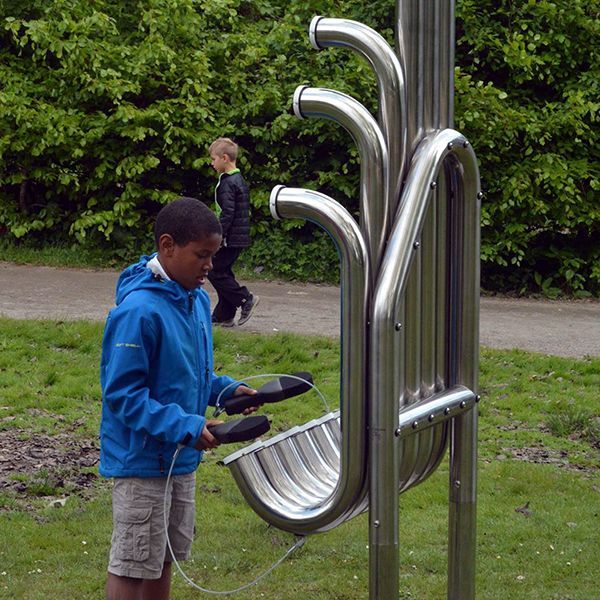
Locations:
column 410, row 302
column 374, row 163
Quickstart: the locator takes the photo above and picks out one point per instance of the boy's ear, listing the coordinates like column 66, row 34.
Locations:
column 166, row 244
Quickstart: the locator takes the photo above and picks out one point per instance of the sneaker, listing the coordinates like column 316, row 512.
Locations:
column 226, row 323
column 248, row 308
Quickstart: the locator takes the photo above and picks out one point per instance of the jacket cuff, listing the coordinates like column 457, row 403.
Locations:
column 191, row 437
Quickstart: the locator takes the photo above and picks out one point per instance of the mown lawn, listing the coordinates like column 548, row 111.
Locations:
column 538, row 501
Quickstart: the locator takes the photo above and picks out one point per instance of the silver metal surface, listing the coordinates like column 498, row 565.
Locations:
column 326, row 32
column 410, row 308
column 388, row 301
column 425, row 46
column 300, row 495
column 372, row 148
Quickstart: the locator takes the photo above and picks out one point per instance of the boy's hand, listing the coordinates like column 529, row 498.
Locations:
column 243, row 390
column 207, row 440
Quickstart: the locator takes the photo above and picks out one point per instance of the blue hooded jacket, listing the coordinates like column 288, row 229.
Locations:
column 157, row 376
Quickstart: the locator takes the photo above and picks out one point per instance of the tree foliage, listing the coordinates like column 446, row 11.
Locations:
column 107, row 108
column 528, row 89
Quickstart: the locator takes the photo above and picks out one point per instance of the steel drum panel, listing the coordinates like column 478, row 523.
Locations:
column 302, row 473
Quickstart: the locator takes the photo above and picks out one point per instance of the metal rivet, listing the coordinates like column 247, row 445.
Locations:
column 463, row 404
column 397, row 432
column 398, row 326
column 433, row 185
column 416, row 245
column 376, row 523
column 450, row 145
column 477, row 398
column 415, row 424
column 479, row 195
column 465, row 144
column 431, row 418
column 446, row 411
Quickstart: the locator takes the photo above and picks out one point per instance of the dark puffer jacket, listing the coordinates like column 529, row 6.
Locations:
column 233, row 196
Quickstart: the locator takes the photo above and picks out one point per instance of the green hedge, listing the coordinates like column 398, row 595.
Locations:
column 528, row 90
column 107, row 109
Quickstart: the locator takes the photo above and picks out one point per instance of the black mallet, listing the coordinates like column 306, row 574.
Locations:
column 286, row 386
column 240, row 430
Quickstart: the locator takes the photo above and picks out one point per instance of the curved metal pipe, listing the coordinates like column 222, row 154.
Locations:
column 372, row 148
column 310, row 515
column 326, row 32
column 387, row 302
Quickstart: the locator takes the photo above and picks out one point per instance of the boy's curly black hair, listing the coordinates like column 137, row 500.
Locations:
column 186, row 220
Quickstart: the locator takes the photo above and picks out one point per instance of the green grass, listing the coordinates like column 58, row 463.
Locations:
column 538, row 449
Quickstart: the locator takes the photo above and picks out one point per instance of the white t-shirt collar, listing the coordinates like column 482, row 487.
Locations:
column 154, row 265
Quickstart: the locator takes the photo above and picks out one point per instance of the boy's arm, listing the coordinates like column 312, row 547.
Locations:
column 227, row 196
column 222, row 384
column 128, row 343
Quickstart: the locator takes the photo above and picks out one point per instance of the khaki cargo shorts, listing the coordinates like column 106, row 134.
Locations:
column 139, row 544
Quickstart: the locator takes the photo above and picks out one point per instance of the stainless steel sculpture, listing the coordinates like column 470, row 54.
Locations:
column 410, row 308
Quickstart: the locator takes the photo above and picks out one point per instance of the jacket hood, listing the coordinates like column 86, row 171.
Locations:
column 140, row 277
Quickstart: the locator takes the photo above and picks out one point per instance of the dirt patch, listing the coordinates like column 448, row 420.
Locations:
column 545, row 456
column 38, row 465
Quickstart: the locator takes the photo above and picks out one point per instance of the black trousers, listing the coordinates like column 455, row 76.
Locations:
column 230, row 293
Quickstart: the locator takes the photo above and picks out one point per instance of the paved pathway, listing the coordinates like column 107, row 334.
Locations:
column 551, row 327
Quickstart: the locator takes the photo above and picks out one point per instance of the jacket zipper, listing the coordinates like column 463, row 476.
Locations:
column 197, row 327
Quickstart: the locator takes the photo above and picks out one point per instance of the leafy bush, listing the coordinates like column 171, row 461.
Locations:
column 308, row 255
column 108, row 108
column 527, row 96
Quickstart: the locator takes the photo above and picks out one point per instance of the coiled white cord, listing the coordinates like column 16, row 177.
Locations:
column 299, row 543
column 299, row 539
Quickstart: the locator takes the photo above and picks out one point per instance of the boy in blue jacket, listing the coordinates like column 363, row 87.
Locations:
column 157, row 380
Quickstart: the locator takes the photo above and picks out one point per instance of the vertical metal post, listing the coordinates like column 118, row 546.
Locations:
column 463, row 431
column 423, row 253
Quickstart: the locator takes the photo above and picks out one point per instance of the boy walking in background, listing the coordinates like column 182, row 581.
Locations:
column 157, row 380
column 232, row 205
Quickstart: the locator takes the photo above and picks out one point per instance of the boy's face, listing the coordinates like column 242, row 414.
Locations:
column 188, row 265
column 219, row 162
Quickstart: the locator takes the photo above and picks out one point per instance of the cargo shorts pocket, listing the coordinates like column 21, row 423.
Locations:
column 133, row 533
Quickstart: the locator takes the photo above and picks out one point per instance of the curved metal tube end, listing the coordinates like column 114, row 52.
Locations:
column 273, row 201
column 297, row 96
column 312, row 33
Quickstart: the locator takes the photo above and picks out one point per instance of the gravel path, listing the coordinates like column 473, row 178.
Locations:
column 563, row 328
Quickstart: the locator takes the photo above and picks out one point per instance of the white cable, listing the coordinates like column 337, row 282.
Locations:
column 299, row 543
column 299, row 539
